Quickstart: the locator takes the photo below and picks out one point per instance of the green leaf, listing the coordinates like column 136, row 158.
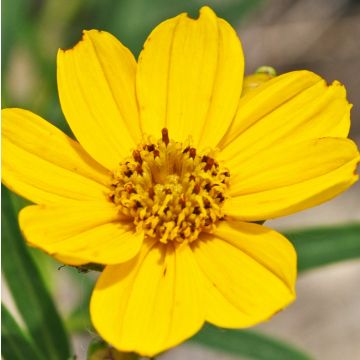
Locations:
column 28, row 290
column 44, row 262
column 15, row 345
column 321, row 246
column 99, row 350
column 247, row 344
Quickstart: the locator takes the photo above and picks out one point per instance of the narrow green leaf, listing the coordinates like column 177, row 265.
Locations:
column 44, row 263
column 28, row 290
column 322, row 246
column 15, row 345
column 247, row 344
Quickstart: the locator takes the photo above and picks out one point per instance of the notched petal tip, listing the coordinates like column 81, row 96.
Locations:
column 84, row 37
column 341, row 88
column 205, row 11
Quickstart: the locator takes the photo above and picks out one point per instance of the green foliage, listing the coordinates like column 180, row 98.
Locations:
column 15, row 344
column 325, row 245
column 248, row 344
column 30, row 295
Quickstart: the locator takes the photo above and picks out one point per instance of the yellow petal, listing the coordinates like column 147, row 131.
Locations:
column 44, row 165
column 82, row 233
column 291, row 108
column 151, row 303
column 189, row 76
column 69, row 260
column 249, row 273
column 96, row 81
column 289, row 179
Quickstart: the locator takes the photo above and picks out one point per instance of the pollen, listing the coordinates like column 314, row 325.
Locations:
column 171, row 192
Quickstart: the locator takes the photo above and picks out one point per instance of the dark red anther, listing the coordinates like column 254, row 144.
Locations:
column 207, row 187
column 197, row 210
column 139, row 169
column 137, row 156
column 204, row 159
column 138, row 204
column 209, row 163
column 128, row 173
column 151, row 193
column 165, row 136
column 150, row 147
column 156, row 153
column 191, row 177
column 207, row 204
column 196, row 189
column 186, row 149
column 128, row 188
column 192, row 153
column 182, row 201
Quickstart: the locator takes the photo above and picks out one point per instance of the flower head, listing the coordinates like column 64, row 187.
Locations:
column 171, row 170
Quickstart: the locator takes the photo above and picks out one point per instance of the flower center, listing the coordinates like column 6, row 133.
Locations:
column 171, row 192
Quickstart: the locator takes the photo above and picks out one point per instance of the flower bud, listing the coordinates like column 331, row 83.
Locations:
column 261, row 75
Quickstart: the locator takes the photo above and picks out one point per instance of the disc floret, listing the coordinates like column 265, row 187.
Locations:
column 171, row 192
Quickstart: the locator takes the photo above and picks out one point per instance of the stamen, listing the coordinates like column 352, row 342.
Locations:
column 165, row 136
column 209, row 163
column 139, row 169
column 167, row 195
column 192, row 152
column 196, row 189
column 137, row 156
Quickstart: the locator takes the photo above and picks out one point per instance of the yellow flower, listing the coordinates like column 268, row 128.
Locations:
column 172, row 171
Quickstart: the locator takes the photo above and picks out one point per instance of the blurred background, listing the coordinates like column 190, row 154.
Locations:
column 322, row 35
